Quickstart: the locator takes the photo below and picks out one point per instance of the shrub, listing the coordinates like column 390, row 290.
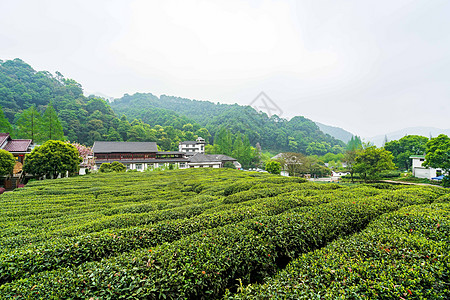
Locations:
column 7, row 162
column 273, row 167
column 117, row 167
column 105, row 168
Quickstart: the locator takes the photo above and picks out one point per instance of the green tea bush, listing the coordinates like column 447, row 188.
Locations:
column 166, row 234
column 402, row 255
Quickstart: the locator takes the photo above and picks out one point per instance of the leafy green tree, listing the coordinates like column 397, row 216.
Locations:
column 7, row 162
column 404, row 148
column 370, row 161
column 273, row 167
column 223, row 142
column 52, row 159
column 438, row 155
column 238, row 147
column 28, row 123
column 295, row 164
column 118, row 167
column 204, row 133
column 5, row 126
column 350, row 161
column 50, row 127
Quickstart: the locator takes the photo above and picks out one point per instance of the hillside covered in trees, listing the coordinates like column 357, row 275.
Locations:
column 25, row 95
column 35, row 97
column 273, row 133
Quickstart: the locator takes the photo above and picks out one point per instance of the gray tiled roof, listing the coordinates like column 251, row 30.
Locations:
column 223, row 157
column 124, row 147
column 205, row 158
column 202, row 158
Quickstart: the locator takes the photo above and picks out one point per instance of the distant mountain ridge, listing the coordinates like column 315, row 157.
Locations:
column 336, row 132
column 396, row 135
column 298, row 134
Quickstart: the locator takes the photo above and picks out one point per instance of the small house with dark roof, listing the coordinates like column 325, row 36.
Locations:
column 197, row 146
column 17, row 147
column 200, row 160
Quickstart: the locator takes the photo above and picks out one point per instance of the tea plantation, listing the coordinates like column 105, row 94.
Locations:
column 222, row 234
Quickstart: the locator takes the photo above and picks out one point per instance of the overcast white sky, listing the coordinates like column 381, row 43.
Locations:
column 369, row 67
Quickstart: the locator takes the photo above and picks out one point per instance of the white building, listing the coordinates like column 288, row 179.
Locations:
column 197, row 146
column 420, row 171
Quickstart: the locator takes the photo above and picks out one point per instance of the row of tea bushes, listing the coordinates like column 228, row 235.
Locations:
column 73, row 251
column 64, row 205
column 401, row 255
column 205, row 264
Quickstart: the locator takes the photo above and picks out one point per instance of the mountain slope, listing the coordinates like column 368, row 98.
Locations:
column 336, row 132
column 298, row 134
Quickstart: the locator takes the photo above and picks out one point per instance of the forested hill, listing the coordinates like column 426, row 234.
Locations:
column 84, row 119
column 297, row 135
column 144, row 117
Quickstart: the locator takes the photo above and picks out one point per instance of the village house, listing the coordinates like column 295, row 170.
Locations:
column 192, row 147
column 136, row 155
column 420, row 171
column 141, row 156
column 17, row 147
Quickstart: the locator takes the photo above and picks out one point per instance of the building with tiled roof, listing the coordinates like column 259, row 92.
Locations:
column 197, row 146
column 17, row 147
column 145, row 155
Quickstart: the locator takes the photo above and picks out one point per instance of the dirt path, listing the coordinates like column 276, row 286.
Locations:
column 408, row 183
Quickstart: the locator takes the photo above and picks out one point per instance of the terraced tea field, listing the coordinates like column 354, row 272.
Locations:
column 222, row 234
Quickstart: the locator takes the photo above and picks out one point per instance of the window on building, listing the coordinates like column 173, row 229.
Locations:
column 422, row 159
column 139, row 167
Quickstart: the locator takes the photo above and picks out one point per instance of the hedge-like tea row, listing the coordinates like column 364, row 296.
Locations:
column 73, row 251
column 70, row 238
column 402, row 255
column 204, row 264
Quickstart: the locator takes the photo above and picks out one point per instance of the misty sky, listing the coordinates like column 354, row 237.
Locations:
column 369, row 67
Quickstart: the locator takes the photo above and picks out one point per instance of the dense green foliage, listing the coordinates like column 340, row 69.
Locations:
column 273, row 167
column 438, row 156
column 296, row 135
column 7, row 162
column 369, row 162
column 196, row 233
column 404, row 148
column 52, row 159
column 402, row 255
column 115, row 166
column 5, row 125
column 26, row 95
column 42, row 106
column 354, row 144
column 297, row 164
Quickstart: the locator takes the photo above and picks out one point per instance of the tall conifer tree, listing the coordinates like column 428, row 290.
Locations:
column 28, row 123
column 51, row 128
